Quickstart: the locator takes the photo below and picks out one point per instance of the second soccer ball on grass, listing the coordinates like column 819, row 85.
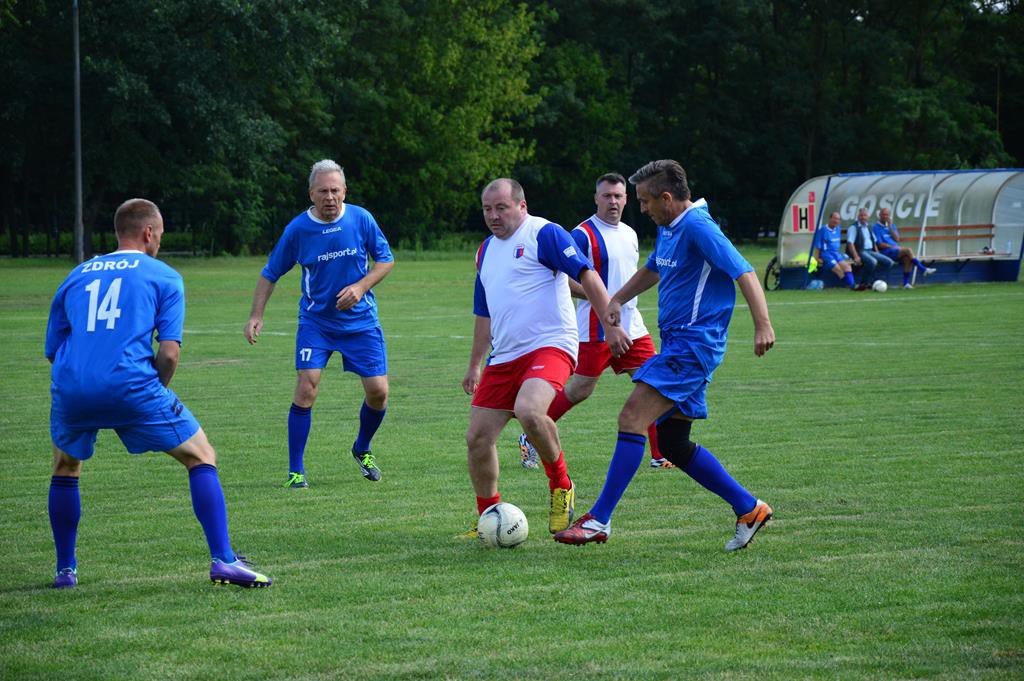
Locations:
column 880, row 286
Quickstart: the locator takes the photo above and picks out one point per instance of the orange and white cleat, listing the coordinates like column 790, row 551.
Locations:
column 747, row 526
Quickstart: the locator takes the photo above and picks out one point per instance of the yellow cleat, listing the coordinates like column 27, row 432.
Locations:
column 563, row 503
column 470, row 534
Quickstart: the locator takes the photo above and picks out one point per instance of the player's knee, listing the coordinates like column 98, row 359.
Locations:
column 630, row 420
column 66, row 465
column 377, row 398
column 674, row 441
column 476, row 438
column 530, row 417
column 577, row 392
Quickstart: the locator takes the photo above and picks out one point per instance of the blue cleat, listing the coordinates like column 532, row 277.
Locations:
column 67, row 578
column 239, row 573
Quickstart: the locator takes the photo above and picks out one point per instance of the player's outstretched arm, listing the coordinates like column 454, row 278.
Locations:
column 481, row 341
column 166, row 360
column 264, row 289
column 354, row 292
column 637, row 284
column 764, row 334
column 617, row 339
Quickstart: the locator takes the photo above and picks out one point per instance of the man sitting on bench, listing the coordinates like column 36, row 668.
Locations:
column 827, row 253
column 887, row 241
column 860, row 244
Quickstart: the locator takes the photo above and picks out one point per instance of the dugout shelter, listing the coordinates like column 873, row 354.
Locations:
column 968, row 224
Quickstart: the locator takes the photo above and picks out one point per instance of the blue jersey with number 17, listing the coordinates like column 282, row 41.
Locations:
column 332, row 256
column 100, row 332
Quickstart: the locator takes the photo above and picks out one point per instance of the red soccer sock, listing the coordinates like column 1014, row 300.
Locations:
column 483, row 503
column 559, row 406
column 558, row 478
column 652, row 437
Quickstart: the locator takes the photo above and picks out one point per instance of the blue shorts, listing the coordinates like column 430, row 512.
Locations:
column 829, row 260
column 363, row 353
column 680, row 378
column 156, row 425
column 891, row 252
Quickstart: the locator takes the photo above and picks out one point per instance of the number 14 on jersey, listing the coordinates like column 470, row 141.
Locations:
column 105, row 310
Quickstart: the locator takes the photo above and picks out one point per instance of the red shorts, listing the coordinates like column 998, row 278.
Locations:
column 595, row 357
column 500, row 383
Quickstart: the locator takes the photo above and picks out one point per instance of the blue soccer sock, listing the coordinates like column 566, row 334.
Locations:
column 906, row 278
column 369, row 421
column 210, row 509
column 705, row 469
column 629, row 454
column 299, row 420
column 919, row 265
column 65, row 506
column 848, row 279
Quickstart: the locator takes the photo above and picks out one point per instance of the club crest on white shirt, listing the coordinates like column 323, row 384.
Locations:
column 520, row 249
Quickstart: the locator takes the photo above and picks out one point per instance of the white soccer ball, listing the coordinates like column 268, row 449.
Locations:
column 502, row 526
column 880, row 286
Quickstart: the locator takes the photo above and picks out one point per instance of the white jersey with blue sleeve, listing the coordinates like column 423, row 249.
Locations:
column 332, row 255
column 612, row 251
column 698, row 266
column 522, row 285
column 100, row 334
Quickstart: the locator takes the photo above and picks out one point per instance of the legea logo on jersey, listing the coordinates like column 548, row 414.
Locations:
column 331, row 230
column 331, row 255
column 520, row 249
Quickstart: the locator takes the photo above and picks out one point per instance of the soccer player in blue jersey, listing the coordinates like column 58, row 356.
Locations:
column 887, row 240
column 697, row 270
column 332, row 242
column 100, row 341
column 827, row 242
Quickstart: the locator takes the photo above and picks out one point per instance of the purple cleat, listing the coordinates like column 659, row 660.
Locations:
column 239, row 573
column 67, row 578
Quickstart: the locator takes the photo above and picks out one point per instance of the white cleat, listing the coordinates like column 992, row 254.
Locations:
column 747, row 526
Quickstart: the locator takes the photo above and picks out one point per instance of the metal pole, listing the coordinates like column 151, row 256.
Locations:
column 924, row 228
column 79, row 228
column 814, row 237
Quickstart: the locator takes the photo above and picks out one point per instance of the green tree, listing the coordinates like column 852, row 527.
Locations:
column 426, row 103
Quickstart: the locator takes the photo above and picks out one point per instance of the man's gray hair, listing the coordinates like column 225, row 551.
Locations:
column 325, row 166
column 665, row 175
column 515, row 189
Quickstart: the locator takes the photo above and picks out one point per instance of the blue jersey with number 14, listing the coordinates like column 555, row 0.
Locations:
column 100, row 332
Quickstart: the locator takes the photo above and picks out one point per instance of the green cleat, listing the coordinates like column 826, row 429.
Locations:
column 296, row 481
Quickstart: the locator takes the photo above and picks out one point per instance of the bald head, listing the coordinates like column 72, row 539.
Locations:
column 133, row 215
column 515, row 190
column 139, row 226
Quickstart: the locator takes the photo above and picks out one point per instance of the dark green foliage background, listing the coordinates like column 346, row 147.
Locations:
column 216, row 108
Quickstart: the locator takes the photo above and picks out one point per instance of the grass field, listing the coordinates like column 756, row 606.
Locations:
column 885, row 429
